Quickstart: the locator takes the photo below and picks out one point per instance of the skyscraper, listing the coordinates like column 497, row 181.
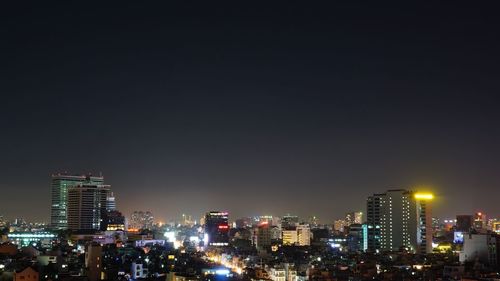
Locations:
column 399, row 219
column 60, row 185
column 87, row 206
column 216, row 228
column 374, row 205
column 262, row 236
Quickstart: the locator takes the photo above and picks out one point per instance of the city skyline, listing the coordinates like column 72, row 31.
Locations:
column 84, row 179
column 250, row 108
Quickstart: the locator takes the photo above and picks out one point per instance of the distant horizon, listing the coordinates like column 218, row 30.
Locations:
column 164, row 219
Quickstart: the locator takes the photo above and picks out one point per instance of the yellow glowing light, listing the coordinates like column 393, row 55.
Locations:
column 424, row 196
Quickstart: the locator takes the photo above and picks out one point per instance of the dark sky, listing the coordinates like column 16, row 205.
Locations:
column 282, row 107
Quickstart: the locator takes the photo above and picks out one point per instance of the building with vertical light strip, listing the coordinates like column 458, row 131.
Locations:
column 87, row 206
column 399, row 220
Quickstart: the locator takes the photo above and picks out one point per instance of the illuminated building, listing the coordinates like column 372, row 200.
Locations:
column 59, row 195
column 303, row 235
column 138, row 271
column 491, row 222
column 355, row 238
column 87, row 205
column 289, row 236
column 217, row 228
column 23, row 239
column 496, row 227
column 353, row 217
column 374, row 206
column 281, row 272
column 258, row 220
column 299, row 235
column 339, row 225
column 111, row 202
column 480, row 221
column 276, row 233
column 464, row 223
column 113, row 221
column 399, row 219
column 187, row 220
column 278, row 273
column 141, row 220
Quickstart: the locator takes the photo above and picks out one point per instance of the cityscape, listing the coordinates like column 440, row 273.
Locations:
column 249, row 141
column 395, row 237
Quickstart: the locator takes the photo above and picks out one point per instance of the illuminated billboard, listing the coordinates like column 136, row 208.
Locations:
column 458, row 237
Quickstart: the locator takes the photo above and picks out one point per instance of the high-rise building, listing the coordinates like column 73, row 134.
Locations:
column 60, row 185
column 399, row 219
column 216, row 228
column 263, row 235
column 87, row 206
column 355, row 238
column 374, row 206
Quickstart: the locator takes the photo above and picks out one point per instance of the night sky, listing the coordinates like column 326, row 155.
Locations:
column 249, row 107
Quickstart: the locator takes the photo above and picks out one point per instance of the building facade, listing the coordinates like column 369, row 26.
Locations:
column 87, row 206
column 263, row 235
column 481, row 247
column 59, row 195
column 303, row 235
column 399, row 220
column 217, row 228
